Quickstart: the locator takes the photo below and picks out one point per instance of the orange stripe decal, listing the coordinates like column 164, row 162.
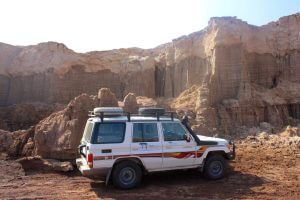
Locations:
column 177, row 155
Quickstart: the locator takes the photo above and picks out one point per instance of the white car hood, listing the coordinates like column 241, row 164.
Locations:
column 219, row 140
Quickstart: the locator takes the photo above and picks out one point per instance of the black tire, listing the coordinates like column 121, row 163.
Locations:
column 215, row 167
column 127, row 175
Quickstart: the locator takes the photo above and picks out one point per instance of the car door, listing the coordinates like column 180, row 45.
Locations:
column 177, row 151
column 146, row 144
column 109, row 142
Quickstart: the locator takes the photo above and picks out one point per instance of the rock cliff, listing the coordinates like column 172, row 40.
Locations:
column 246, row 74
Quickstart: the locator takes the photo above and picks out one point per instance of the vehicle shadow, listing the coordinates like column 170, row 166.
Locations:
column 185, row 184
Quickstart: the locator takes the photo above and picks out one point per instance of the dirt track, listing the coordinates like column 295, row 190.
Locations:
column 256, row 174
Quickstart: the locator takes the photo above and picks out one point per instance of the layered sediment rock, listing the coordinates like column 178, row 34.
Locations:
column 23, row 116
column 246, row 74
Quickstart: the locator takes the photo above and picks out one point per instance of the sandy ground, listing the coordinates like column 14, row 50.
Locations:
column 257, row 173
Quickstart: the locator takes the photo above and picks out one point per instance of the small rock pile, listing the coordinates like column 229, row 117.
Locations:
column 289, row 138
column 16, row 143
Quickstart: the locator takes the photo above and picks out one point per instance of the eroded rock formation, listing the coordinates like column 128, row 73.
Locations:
column 130, row 103
column 246, row 74
column 107, row 98
column 58, row 135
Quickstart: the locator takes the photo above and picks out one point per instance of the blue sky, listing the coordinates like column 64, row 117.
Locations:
column 86, row 25
column 257, row 12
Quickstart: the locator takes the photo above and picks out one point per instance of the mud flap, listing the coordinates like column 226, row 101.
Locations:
column 201, row 168
column 107, row 177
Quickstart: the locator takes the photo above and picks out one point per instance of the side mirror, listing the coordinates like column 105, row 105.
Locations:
column 187, row 137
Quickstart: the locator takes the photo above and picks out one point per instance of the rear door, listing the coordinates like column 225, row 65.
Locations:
column 146, row 144
column 177, row 152
column 109, row 142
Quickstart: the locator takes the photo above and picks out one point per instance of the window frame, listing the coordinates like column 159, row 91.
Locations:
column 96, row 128
column 157, row 129
column 163, row 135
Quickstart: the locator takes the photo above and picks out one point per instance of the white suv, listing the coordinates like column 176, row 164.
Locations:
column 123, row 146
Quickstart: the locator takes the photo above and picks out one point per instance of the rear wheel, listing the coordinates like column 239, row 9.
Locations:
column 127, row 175
column 215, row 167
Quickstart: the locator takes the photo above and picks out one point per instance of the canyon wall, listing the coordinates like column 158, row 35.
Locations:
column 246, row 74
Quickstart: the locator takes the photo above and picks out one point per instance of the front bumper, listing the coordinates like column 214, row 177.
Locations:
column 231, row 155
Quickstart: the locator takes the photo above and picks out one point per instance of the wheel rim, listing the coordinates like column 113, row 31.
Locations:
column 127, row 176
column 216, row 168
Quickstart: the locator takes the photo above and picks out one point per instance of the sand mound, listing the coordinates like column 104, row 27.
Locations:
column 187, row 99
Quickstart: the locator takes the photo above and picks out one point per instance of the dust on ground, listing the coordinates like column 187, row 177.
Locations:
column 259, row 172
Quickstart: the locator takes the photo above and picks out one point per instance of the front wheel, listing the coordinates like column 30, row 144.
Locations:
column 215, row 167
column 127, row 175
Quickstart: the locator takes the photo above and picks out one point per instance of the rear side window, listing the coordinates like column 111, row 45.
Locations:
column 145, row 132
column 88, row 131
column 173, row 131
column 105, row 133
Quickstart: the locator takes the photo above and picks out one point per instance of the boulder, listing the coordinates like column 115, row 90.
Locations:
column 38, row 163
column 107, row 98
column 12, row 143
column 130, row 103
column 59, row 135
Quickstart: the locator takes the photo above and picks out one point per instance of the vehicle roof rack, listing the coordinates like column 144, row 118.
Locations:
column 117, row 111
column 106, row 111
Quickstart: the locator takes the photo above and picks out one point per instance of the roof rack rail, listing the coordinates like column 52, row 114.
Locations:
column 117, row 111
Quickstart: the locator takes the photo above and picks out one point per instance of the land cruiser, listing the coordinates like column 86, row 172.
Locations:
column 122, row 146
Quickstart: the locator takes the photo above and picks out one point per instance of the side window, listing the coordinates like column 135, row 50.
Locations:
column 88, row 131
column 105, row 133
column 145, row 132
column 173, row 131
